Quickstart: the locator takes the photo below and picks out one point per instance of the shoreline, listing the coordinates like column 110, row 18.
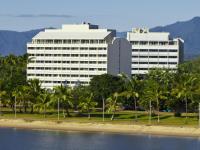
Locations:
column 101, row 127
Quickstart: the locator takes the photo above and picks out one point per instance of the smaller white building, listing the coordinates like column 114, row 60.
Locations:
column 154, row 50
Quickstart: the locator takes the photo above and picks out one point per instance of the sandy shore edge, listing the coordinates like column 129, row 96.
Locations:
column 100, row 127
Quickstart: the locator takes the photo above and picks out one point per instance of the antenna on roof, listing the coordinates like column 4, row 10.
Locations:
column 85, row 23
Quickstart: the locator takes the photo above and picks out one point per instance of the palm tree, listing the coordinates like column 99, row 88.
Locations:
column 44, row 99
column 34, row 89
column 67, row 99
column 63, row 95
column 148, row 98
column 113, row 103
column 132, row 89
column 158, row 95
column 12, row 61
column 2, row 94
column 19, row 94
column 88, row 104
column 16, row 94
column 159, row 78
column 185, row 88
column 55, row 99
column 24, row 92
column 25, row 96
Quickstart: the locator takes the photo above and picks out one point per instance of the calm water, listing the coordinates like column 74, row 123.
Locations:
column 15, row 139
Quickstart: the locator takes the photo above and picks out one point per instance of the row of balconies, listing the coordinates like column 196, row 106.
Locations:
column 61, row 76
column 75, row 61
column 93, row 72
column 149, row 62
column 65, row 52
column 68, row 55
column 153, row 66
column 154, row 59
column 43, row 58
column 153, row 43
column 66, row 46
column 155, row 50
column 65, row 66
column 154, row 54
column 67, row 41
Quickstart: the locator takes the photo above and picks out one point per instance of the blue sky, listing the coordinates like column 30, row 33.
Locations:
column 122, row 15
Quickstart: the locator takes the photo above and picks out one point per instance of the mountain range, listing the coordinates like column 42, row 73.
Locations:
column 189, row 31
column 12, row 42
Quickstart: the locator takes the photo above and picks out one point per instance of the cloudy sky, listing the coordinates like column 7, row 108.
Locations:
column 21, row 15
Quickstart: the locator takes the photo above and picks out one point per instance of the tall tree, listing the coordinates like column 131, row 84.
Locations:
column 160, row 78
column 113, row 104
column 34, row 90
column 185, row 89
column 133, row 87
column 87, row 104
column 148, row 99
column 103, row 86
column 63, row 95
column 43, row 101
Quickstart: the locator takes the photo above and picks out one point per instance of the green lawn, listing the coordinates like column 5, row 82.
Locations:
column 123, row 117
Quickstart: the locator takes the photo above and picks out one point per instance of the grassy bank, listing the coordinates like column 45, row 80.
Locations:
column 123, row 117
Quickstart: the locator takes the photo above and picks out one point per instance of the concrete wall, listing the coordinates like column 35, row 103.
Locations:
column 181, row 50
column 119, row 57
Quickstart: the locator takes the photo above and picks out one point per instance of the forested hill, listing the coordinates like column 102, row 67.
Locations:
column 189, row 31
column 12, row 42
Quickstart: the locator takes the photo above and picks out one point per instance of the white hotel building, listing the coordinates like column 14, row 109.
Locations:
column 75, row 54
column 154, row 50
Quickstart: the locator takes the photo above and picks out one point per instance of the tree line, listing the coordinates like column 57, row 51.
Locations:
column 159, row 90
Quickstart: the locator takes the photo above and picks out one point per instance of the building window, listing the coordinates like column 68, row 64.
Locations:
column 102, row 41
column 93, row 48
column 76, row 42
column 143, row 43
column 102, row 55
column 163, row 50
column 173, row 50
column 85, row 42
column 134, row 42
column 74, row 62
column 174, row 63
column 92, row 55
column 84, row 48
column 57, row 41
column 92, row 62
column 74, row 48
column 74, row 55
column 143, row 50
column 172, row 56
column 84, row 62
column 74, row 68
column 93, row 41
column 67, row 41
column 153, row 50
column 83, row 55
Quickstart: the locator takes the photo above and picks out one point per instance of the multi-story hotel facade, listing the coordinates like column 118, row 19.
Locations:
column 154, row 50
column 75, row 54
